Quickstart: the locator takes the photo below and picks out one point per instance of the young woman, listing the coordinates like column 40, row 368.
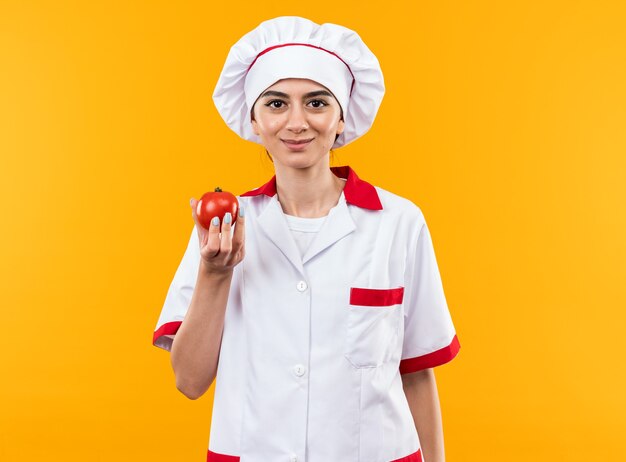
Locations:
column 322, row 321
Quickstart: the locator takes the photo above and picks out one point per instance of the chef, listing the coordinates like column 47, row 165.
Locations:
column 320, row 313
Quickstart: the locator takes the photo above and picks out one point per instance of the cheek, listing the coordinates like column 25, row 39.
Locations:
column 269, row 127
column 331, row 123
column 328, row 137
column 331, row 129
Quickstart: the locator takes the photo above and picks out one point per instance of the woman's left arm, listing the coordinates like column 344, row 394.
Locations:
column 420, row 389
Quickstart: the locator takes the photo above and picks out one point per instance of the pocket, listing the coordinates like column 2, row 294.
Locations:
column 372, row 325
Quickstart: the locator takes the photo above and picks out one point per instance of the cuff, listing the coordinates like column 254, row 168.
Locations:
column 436, row 358
column 159, row 338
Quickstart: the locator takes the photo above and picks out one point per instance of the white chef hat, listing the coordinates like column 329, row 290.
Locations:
column 294, row 47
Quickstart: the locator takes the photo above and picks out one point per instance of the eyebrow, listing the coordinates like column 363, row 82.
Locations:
column 280, row 94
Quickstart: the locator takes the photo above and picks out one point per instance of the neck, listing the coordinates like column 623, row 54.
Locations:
column 308, row 192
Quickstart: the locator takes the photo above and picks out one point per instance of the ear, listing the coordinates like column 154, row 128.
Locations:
column 341, row 127
column 255, row 127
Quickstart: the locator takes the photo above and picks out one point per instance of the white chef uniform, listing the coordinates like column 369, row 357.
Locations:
column 303, row 230
column 314, row 346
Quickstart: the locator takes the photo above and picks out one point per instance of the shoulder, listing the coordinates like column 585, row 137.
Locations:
column 400, row 208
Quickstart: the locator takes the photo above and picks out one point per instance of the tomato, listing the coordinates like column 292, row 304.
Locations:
column 216, row 204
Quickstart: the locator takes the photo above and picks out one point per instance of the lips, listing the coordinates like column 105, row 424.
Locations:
column 297, row 142
column 297, row 145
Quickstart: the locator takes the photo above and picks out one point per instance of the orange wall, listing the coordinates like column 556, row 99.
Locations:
column 504, row 122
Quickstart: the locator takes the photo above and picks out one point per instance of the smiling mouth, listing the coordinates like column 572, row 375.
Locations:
column 298, row 142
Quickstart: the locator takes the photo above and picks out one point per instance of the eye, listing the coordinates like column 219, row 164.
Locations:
column 275, row 104
column 318, row 103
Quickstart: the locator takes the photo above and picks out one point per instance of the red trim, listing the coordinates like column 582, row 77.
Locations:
column 169, row 328
column 436, row 358
column 215, row 457
column 356, row 191
column 304, row 45
column 376, row 297
column 415, row 457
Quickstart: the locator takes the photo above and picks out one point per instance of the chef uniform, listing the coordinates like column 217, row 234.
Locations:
column 319, row 327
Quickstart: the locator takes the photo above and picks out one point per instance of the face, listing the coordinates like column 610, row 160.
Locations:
column 298, row 121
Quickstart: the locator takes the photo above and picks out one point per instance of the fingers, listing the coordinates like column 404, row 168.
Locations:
column 213, row 241
column 201, row 231
column 219, row 238
column 227, row 244
column 231, row 242
column 193, row 203
column 239, row 234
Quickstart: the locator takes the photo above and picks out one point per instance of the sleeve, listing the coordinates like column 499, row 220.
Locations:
column 429, row 335
column 178, row 295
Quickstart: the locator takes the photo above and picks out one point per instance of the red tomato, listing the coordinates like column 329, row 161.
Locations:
column 216, row 204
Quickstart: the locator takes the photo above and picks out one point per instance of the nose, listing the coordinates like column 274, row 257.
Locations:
column 297, row 119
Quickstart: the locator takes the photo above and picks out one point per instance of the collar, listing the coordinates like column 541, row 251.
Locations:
column 356, row 191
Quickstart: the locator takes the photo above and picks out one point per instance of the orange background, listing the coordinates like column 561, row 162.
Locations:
column 504, row 122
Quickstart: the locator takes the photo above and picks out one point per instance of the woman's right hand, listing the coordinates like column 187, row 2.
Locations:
column 219, row 251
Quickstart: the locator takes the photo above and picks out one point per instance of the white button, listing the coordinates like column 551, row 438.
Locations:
column 299, row 370
column 293, row 459
column 301, row 286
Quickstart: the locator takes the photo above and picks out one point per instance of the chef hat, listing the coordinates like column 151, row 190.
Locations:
column 293, row 47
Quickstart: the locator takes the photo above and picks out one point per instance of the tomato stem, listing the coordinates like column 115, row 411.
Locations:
column 218, row 189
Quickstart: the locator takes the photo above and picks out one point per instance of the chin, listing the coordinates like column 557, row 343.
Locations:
column 299, row 160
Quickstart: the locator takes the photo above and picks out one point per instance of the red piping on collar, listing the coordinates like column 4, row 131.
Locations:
column 356, row 191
